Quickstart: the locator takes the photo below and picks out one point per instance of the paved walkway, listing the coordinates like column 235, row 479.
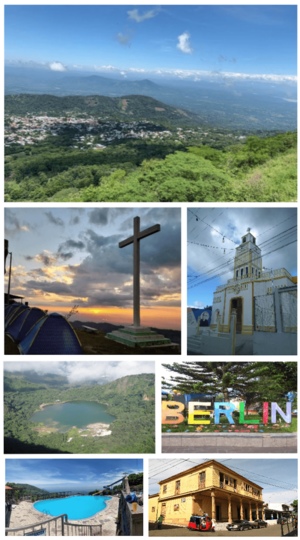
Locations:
column 169, row 530
column 227, row 450
column 25, row 514
column 243, row 345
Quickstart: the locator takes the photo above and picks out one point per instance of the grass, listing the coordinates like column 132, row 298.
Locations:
column 224, row 426
column 275, row 181
column 99, row 344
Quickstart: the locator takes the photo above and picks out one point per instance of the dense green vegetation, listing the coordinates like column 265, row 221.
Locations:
column 260, row 169
column 27, row 488
column 125, row 107
column 130, row 399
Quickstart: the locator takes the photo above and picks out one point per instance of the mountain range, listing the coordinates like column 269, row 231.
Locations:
column 223, row 103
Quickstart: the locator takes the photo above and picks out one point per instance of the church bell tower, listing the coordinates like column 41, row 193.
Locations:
column 247, row 261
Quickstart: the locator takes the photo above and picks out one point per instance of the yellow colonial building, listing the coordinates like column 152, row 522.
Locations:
column 209, row 488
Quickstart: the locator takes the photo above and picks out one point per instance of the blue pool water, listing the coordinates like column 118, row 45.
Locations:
column 80, row 507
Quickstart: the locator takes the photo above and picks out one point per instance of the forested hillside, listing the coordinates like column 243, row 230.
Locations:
column 258, row 169
column 27, row 488
column 117, row 108
column 130, row 399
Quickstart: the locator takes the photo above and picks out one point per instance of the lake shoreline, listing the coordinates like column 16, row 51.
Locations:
column 96, row 429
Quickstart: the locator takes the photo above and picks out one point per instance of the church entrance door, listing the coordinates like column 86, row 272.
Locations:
column 237, row 303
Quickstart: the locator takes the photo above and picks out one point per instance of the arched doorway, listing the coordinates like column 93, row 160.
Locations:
column 237, row 303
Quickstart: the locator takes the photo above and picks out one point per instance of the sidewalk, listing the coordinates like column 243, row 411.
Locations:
column 285, row 443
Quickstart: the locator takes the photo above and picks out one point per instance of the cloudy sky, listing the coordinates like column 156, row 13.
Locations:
column 273, row 228
column 242, row 42
column 77, row 372
column 69, row 474
column 63, row 257
column 277, row 477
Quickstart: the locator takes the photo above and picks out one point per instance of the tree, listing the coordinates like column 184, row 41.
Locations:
column 72, row 311
column 278, row 379
column 294, row 504
column 231, row 379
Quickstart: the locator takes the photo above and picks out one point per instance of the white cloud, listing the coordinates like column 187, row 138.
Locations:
column 106, row 68
column 84, row 371
column 184, row 43
column 124, row 39
column 57, row 66
column 137, row 70
column 134, row 15
column 285, row 497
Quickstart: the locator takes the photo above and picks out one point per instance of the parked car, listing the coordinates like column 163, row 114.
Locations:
column 239, row 525
column 260, row 523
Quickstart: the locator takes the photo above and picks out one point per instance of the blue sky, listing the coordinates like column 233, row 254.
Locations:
column 177, row 40
column 277, row 477
column 272, row 228
column 69, row 474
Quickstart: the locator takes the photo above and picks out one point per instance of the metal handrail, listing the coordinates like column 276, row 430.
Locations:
column 65, row 525
column 84, row 527
column 62, row 517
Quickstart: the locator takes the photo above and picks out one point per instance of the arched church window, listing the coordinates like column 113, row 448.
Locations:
column 244, row 239
column 246, row 270
column 236, row 273
column 242, row 271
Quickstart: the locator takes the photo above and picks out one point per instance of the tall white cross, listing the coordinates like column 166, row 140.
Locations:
column 135, row 240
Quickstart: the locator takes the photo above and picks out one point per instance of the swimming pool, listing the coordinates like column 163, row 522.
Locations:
column 80, row 507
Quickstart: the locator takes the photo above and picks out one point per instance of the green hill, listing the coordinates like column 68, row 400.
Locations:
column 129, row 399
column 27, row 487
column 128, row 107
column 263, row 170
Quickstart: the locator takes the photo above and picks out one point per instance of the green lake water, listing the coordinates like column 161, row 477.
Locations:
column 63, row 416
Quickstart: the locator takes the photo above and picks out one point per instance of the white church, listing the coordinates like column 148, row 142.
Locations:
column 249, row 281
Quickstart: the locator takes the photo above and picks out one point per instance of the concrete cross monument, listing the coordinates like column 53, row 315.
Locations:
column 137, row 335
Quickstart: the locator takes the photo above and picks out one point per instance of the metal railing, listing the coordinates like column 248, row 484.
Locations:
column 289, row 527
column 77, row 529
column 59, row 527
column 62, row 527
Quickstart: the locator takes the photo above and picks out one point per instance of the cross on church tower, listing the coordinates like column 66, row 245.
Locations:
column 138, row 235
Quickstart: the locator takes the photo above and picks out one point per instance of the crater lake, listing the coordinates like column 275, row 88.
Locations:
column 63, row 416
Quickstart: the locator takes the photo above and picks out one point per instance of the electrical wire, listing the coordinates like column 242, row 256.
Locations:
column 222, row 273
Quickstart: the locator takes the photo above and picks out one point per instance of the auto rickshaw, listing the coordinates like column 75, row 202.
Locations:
column 201, row 523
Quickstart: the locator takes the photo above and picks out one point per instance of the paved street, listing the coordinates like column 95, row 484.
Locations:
column 228, row 450
column 169, row 530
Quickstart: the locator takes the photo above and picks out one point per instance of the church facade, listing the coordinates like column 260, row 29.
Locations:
column 249, row 281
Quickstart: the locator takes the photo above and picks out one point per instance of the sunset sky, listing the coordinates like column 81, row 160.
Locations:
column 63, row 257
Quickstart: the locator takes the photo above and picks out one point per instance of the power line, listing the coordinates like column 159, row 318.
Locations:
column 239, row 468
column 277, row 225
column 225, row 264
column 241, row 255
column 197, row 217
column 205, row 245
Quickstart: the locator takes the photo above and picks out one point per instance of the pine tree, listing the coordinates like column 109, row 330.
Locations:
column 230, row 379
